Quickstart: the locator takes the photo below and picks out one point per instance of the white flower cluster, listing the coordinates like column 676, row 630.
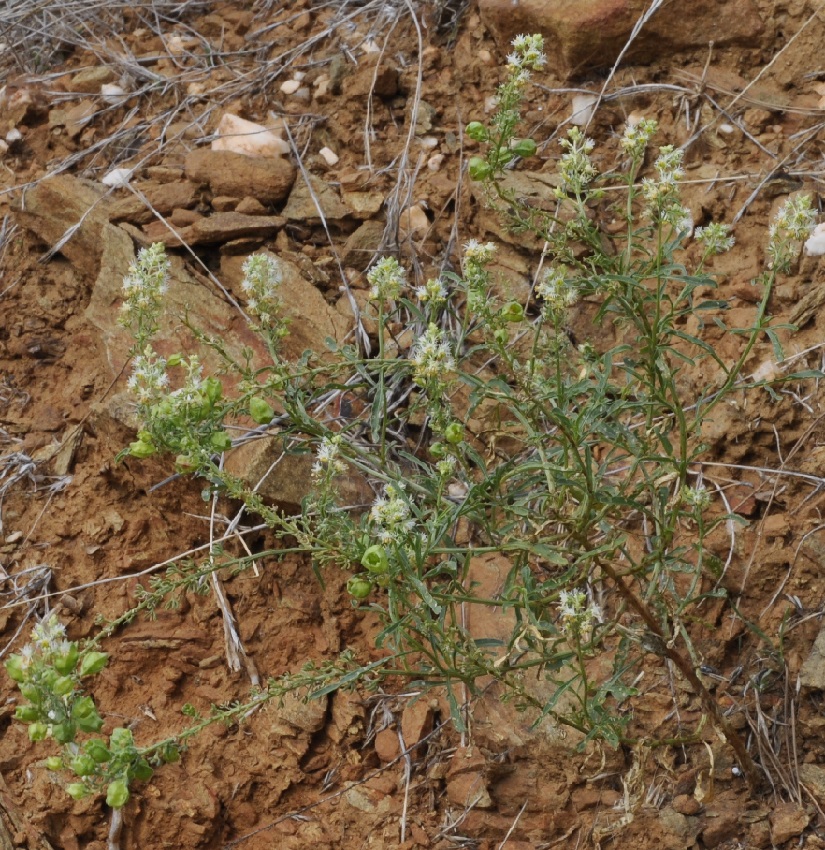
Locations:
column 662, row 194
column 636, row 137
column 577, row 617
column 575, row 167
column 261, row 280
column 391, row 515
column 148, row 381
column 145, row 285
column 328, row 461
column 386, row 278
column 48, row 636
column 792, row 224
column 555, row 291
column 715, row 237
column 433, row 292
column 528, row 55
column 432, row 357
column 476, row 257
column 696, row 497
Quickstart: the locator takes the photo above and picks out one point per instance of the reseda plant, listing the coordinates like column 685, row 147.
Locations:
column 493, row 433
column 49, row 672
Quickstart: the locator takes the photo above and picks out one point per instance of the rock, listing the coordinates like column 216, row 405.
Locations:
column 240, row 136
column 812, row 674
column 365, row 79
column 721, row 825
column 90, row 80
column 416, row 724
column 813, row 777
column 239, row 176
column 225, row 226
column 251, row 206
column 587, row 35
column 362, row 244
column 363, row 204
column 387, row 747
column 469, row 790
column 301, row 205
column 787, row 821
column 304, row 715
column 58, row 203
column 163, row 197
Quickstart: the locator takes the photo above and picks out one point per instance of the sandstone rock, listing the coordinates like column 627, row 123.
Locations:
column 251, row 206
column 304, row 715
column 62, row 202
column 362, row 244
column 469, row 790
column 787, row 821
column 239, row 176
column 387, row 747
column 416, row 724
column 812, row 674
column 585, row 35
column 163, row 197
column 364, row 79
column 363, row 204
column 90, row 80
column 302, row 207
column 223, row 227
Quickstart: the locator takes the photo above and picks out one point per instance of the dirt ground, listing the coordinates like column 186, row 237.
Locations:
column 387, row 88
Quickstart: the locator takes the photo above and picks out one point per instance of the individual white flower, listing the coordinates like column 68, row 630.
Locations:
column 386, row 278
column 577, row 617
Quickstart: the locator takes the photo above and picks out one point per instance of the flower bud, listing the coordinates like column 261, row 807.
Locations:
column 260, row 411
column 38, row 731
column 141, row 770
column 476, row 131
column 220, row 441
column 454, row 433
column 93, row 662
column 524, row 148
column 83, row 765
column 121, row 738
column 54, row 763
column 512, row 312
column 375, row 560
column 479, row 168
column 26, row 713
column 14, row 667
column 141, row 449
column 359, row 587
column 64, row 733
column 77, row 790
column 438, row 450
column 98, row 750
column 63, row 686
column 67, row 661
column 117, row 794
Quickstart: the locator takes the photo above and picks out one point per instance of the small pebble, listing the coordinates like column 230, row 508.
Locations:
column 330, row 157
column 435, row 161
column 290, row 86
column 117, row 177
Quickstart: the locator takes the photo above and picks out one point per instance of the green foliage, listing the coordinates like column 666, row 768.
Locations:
column 582, row 473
